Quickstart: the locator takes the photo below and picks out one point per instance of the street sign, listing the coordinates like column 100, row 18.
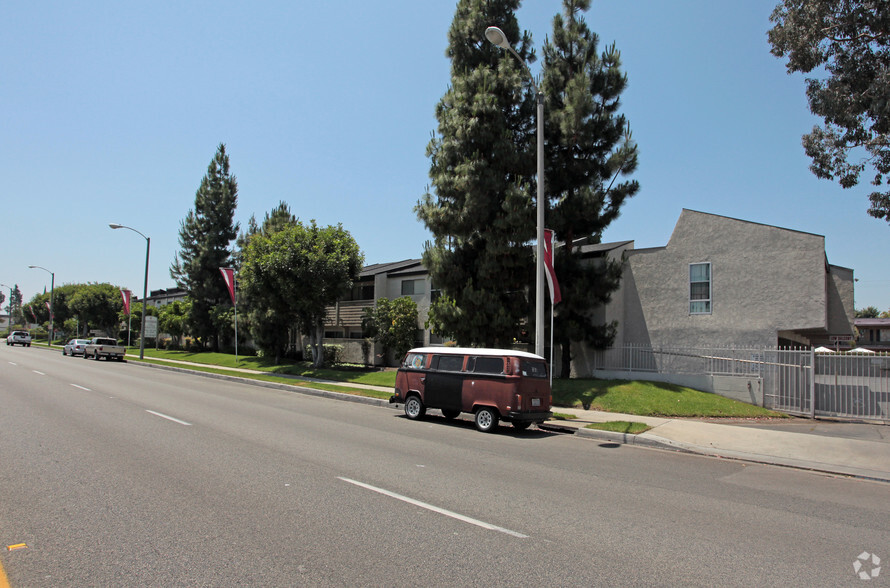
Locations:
column 151, row 327
column 837, row 338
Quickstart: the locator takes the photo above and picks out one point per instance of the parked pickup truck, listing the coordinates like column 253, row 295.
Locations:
column 100, row 347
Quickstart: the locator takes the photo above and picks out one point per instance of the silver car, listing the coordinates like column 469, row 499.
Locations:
column 75, row 347
column 22, row 338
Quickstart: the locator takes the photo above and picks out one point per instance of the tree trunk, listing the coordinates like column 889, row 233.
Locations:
column 319, row 345
column 565, row 369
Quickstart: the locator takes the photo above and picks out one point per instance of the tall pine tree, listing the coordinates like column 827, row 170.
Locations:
column 589, row 152
column 204, row 239
column 480, row 212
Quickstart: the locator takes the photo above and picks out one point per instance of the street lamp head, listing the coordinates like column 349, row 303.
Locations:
column 32, row 267
column 115, row 226
column 497, row 37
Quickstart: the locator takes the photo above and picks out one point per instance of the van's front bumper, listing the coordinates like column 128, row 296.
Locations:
column 528, row 417
column 396, row 398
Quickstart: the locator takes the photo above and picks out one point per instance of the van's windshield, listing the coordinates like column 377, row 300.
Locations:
column 414, row 361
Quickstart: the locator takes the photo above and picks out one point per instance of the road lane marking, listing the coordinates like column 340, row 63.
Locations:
column 38, row 373
column 169, row 418
column 81, row 387
column 436, row 509
column 11, row 363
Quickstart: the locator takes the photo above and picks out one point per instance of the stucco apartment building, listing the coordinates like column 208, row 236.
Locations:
column 724, row 282
column 719, row 282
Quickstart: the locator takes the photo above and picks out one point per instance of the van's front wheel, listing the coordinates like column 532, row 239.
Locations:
column 414, row 408
column 486, row 419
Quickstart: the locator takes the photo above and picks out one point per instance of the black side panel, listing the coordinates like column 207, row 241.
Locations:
column 443, row 390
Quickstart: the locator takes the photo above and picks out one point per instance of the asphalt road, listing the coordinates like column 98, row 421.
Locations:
column 115, row 474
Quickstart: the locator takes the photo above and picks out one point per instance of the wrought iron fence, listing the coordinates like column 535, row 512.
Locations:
column 797, row 381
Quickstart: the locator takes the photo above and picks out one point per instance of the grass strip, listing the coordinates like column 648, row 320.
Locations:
column 631, row 428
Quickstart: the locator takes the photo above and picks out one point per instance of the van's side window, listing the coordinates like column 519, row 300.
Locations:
column 488, row 365
column 450, row 363
column 414, row 361
column 533, row 369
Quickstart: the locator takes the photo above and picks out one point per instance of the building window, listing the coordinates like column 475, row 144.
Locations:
column 413, row 287
column 700, row 288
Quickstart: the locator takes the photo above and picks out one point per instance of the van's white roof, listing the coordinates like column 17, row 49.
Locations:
column 475, row 351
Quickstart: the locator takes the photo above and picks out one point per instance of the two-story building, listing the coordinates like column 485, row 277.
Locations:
column 718, row 282
column 343, row 322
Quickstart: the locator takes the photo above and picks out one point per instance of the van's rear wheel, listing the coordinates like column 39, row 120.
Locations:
column 486, row 419
column 450, row 413
column 414, row 408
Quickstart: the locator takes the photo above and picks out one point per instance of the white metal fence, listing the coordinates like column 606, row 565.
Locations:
column 797, row 381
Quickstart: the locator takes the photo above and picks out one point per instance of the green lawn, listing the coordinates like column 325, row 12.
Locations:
column 286, row 367
column 650, row 399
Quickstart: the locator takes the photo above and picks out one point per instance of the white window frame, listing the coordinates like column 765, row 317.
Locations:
column 709, row 301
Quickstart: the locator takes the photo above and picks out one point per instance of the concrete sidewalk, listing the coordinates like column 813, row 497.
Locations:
column 823, row 452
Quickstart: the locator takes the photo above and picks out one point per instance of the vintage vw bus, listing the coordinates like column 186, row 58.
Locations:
column 492, row 384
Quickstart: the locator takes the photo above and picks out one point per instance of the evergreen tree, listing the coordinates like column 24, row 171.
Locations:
column 589, row 148
column 481, row 212
column 204, row 239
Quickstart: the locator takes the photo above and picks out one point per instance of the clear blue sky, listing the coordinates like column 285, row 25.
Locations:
column 111, row 112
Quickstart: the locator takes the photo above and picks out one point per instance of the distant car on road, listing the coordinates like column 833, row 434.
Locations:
column 75, row 347
column 22, row 338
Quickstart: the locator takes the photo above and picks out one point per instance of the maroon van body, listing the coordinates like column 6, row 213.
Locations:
column 492, row 384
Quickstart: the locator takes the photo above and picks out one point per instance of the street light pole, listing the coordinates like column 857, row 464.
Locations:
column 144, row 287
column 497, row 37
column 52, row 289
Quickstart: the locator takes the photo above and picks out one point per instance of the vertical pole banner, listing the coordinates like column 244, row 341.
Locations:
column 228, row 274
column 555, row 294
column 125, row 294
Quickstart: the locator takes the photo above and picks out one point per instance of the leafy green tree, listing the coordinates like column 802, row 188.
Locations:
column 204, row 239
column 481, row 161
column 393, row 324
column 589, row 149
column 291, row 275
column 847, row 42
column 99, row 305
column 172, row 319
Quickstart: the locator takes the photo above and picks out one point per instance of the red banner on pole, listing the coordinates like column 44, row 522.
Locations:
column 31, row 308
column 125, row 294
column 555, row 294
column 49, row 309
column 228, row 274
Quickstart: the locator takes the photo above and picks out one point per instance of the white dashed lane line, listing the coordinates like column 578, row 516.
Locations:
column 169, row 418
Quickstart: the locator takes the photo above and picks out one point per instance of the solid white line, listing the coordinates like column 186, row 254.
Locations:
column 169, row 418
column 436, row 509
column 81, row 387
column 11, row 363
column 38, row 373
